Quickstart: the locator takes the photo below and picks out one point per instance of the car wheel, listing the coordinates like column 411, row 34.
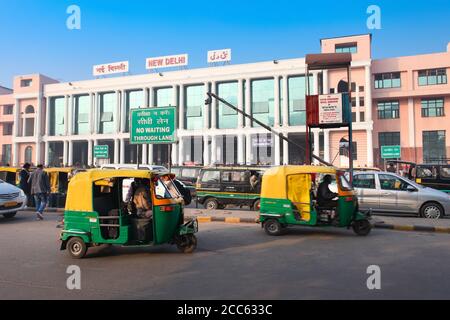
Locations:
column 256, row 205
column 432, row 211
column 77, row 248
column 211, row 204
column 10, row 215
column 362, row 227
column 273, row 228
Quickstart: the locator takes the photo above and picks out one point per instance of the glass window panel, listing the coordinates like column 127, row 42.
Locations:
column 164, row 97
column 228, row 118
column 263, row 101
column 108, row 103
column 195, row 100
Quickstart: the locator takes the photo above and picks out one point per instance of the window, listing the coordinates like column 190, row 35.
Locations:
column 195, row 103
column 134, row 99
column 432, row 108
column 425, row 172
column 82, row 105
column 332, row 91
column 108, row 103
column 228, row 118
column 353, row 86
column 234, row 176
column 29, row 110
column 29, row 154
column 211, row 176
column 389, row 139
column 361, row 88
column 263, row 100
column 57, row 113
column 445, row 172
column 364, row 181
column 362, row 116
column 432, row 77
column 361, row 102
column 26, row 83
column 297, row 105
column 434, row 148
column 388, row 110
column 353, row 102
column 388, row 182
column 346, row 48
column 164, row 97
column 353, row 116
column 388, row 80
column 7, row 129
column 7, row 110
column 6, row 154
column 343, row 148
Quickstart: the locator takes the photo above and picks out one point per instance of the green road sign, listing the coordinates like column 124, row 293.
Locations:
column 153, row 126
column 101, row 152
column 391, row 152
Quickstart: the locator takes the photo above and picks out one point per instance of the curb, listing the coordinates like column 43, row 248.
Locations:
column 230, row 220
column 412, row 228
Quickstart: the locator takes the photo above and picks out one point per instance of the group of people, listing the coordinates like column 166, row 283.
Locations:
column 36, row 186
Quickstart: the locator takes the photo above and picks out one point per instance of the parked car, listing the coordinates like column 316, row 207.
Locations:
column 12, row 199
column 385, row 192
column 188, row 176
column 221, row 186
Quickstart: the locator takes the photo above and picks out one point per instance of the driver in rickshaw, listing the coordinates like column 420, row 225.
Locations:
column 138, row 199
column 325, row 197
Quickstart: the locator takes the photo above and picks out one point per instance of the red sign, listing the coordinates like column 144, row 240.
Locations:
column 110, row 68
column 167, row 62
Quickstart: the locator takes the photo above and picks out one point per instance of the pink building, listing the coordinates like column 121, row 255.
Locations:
column 6, row 125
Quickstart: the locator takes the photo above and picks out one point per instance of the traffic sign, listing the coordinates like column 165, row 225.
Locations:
column 153, row 126
column 101, row 152
column 391, row 152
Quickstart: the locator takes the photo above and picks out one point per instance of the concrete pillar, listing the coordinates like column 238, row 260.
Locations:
column 15, row 155
column 326, row 85
column 47, row 116
column 17, row 118
column 248, row 149
column 277, row 150
column 66, row 116
column 277, row 102
column 213, row 149
column 145, row 96
column 144, row 154
column 122, row 151
column 65, row 153
column 46, row 154
column 316, row 145
column 116, row 116
column 369, row 148
column 70, row 154
column 368, row 94
column 248, row 101
column 213, row 107
column 181, row 151
column 175, row 96
column 241, row 150
column 123, row 112
column 326, row 147
column 285, row 101
column 285, row 153
column 181, row 109
column 92, row 112
column 174, row 154
column 206, row 151
column 117, row 151
column 358, row 105
column 71, row 117
column 38, row 152
column 240, row 103
column 38, row 119
column 315, row 88
column 90, row 152
column 207, row 109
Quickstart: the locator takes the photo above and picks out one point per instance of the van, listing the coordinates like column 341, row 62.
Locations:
column 218, row 187
column 188, row 175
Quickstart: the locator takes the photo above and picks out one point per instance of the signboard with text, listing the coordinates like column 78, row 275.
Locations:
column 110, row 68
column 153, row 126
column 223, row 55
column 101, row 152
column 167, row 62
column 391, row 152
column 330, row 109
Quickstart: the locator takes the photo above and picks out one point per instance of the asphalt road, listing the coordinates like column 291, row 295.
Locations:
column 232, row 262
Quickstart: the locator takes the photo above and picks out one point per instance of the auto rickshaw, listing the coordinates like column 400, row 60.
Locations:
column 59, row 180
column 10, row 175
column 97, row 214
column 289, row 198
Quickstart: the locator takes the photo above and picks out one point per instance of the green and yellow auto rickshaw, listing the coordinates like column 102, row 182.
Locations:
column 10, row 175
column 98, row 211
column 289, row 198
column 59, row 182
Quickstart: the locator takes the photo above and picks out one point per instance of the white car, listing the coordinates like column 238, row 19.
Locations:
column 12, row 199
column 134, row 167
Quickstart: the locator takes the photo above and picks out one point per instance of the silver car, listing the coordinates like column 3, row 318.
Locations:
column 385, row 192
column 12, row 199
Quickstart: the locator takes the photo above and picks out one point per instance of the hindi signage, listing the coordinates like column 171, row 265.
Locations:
column 153, row 126
column 110, row 68
column 391, row 152
column 101, row 152
column 330, row 109
column 167, row 61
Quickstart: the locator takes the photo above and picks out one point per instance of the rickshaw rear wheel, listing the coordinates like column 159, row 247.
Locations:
column 187, row 244
column 273, row 227
column 362, row 227
column 77, row 248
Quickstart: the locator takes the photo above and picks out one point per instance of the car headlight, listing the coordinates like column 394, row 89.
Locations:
column 22, row 194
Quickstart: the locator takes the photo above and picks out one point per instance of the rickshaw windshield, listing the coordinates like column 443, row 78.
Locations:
column 166, row 189
column 344, row 183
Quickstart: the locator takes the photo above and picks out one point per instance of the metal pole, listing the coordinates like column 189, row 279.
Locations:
column 308, row 159
column 350, row 126
column 170, row 158
column 282, row 136
column 138, row 155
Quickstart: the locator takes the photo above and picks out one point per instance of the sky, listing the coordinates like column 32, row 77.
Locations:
column 35, row 38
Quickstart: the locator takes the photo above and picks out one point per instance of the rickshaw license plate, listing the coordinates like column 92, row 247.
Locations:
column 10, row 204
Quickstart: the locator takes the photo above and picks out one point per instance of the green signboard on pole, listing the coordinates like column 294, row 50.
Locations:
column 391, row 152
column 153, row 126
column 101, row 152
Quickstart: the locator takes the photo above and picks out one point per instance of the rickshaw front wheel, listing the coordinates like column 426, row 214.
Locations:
column 273, row 227
column 187, row 244
column 77, row 248
column 362, row 227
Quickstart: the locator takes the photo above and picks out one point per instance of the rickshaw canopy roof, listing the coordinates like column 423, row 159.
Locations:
column 63, row 170
column 9, row 169
column 275, row 179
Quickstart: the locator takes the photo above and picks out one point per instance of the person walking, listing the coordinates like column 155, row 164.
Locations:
column 40, row 189
column 24, row 175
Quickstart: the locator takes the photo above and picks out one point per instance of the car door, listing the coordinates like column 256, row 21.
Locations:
column 368, row 193
column 395, row 195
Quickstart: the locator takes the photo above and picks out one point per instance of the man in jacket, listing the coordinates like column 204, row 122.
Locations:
column 325, row 197
column 24, row 175
column 40, row 189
